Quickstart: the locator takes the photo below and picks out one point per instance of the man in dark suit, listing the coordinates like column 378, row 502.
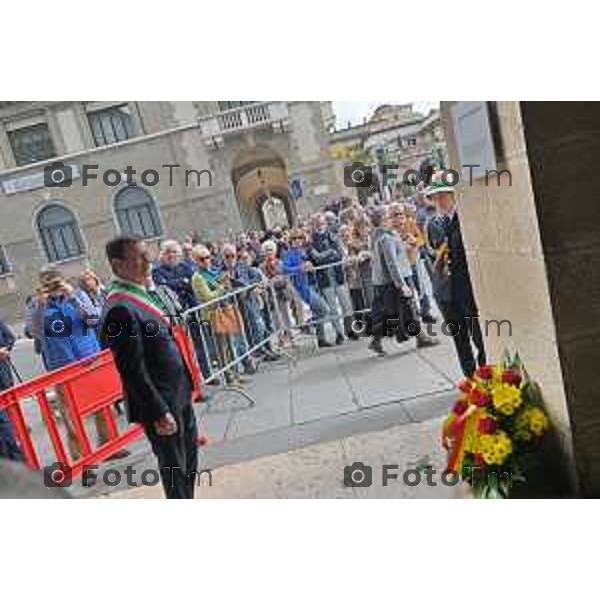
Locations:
column 451, row 280
column 154, row 367
column 9, row 448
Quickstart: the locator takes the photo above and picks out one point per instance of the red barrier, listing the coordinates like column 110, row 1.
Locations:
column 88, row 386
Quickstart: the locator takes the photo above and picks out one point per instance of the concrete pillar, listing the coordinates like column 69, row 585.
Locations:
column 509, row 271
column 534, row 255
column 563, row 145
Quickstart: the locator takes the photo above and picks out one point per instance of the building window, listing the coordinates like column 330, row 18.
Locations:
column 114, row 124
column 232, row 104
column 136, row 213
column 4, row 266
column 411, row 142
column 60, row 233
column 31, row 144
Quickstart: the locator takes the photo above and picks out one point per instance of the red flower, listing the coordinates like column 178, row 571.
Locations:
column 465, row 386
column 487, row 425
column 511, row 377
column 478, row 458
column 480, row 398
column 484, row 372
column 460, row 407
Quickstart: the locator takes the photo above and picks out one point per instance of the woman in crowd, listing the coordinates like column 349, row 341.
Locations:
column 69, row 334
column 279, row 295
column 221, row 323
column 415, row 242
column 356, row 256
column 393, row 305
column 90, row 283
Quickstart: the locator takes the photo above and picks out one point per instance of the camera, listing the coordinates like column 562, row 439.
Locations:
column 358, row 475
column 57, row 475
column 57, row 325
column 358, row 175
column 58, row 174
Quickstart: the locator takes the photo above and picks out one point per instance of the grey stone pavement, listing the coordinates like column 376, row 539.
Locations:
column 316, row 412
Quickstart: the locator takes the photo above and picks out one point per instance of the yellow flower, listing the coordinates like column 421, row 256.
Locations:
column 506, row 398
column 497, row 371
column 495, row 448
column 538, row 422
column 531, row 421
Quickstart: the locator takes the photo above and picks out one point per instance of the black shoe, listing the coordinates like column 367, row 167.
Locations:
column 428, row 318
column 270, row 357
column 375, row 346
column 324, row 344
column 339, row 339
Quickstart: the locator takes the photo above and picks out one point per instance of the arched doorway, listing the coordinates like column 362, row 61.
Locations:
column 260, row 181
column 273, row 212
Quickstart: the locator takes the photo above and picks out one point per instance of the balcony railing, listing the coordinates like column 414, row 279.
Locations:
column 243, row 118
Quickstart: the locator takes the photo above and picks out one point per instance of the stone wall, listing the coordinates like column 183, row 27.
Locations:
column 563, row 144
column 509, row 269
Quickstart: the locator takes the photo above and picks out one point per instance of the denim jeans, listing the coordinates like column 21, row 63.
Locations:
column 339, row 292
column 256, row 330
column 320, row 311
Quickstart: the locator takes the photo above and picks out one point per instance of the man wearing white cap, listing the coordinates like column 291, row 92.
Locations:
column 451, row 280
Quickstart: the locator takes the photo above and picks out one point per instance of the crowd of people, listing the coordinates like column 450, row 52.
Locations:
column 340, row 274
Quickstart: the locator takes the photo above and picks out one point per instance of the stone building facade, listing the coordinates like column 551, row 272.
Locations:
column 238, row 157
column 394, row 135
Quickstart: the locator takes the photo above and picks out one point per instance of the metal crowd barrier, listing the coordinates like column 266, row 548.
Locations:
column 258, row 316
column 279, row 306
column 267, row 312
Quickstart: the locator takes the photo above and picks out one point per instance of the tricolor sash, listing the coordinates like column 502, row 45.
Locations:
column 124, row 293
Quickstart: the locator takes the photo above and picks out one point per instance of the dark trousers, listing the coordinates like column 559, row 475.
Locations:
column 177, row 454
column 392, row 314
column 202, row 353
column 466, row 330
column 9, row 447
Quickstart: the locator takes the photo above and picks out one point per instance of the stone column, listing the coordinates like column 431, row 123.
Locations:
column 563, row 146
column 511, row 270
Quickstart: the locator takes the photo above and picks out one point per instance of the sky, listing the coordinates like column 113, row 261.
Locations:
column 355, row 112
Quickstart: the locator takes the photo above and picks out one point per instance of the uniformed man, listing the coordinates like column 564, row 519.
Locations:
column 451, row 280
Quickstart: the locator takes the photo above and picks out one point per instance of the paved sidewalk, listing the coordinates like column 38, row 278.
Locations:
column 317, row 471
column 314, row 415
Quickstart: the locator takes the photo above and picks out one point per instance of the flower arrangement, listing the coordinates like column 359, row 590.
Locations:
column 494, row 430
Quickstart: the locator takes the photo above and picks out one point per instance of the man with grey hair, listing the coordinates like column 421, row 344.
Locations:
column 393, row 303
column 325, row 252
column 173, row 272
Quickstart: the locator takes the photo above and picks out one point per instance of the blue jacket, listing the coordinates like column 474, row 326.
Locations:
column 69, row 333
column 293, row 261
column 178, row 278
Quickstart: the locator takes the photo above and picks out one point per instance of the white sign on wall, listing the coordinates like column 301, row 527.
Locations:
column 474, row 139
column 31, row 181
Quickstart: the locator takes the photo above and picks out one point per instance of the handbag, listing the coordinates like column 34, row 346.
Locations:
column 227, row 320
